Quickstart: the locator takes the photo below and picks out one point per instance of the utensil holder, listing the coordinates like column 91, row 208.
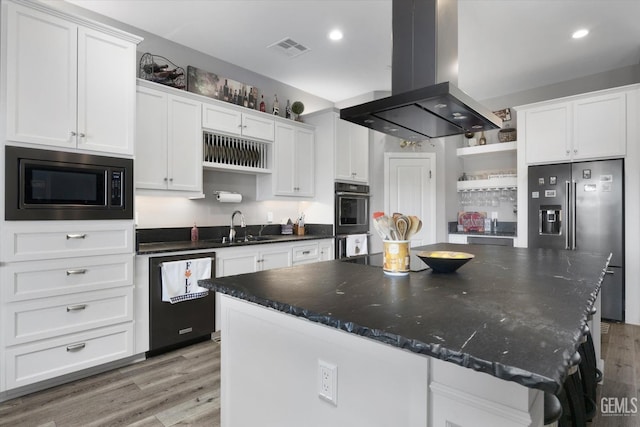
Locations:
column 396, row 257
column 298, row 231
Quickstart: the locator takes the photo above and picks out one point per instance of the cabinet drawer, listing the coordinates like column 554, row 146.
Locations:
column 28, row 321
column 30, row 363
column 57, row 239
column 40, row 279
column 305, row 253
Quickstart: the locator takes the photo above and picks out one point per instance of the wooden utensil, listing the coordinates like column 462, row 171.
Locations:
column 402, row 224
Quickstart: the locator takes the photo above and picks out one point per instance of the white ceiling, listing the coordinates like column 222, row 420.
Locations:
column 505, row 46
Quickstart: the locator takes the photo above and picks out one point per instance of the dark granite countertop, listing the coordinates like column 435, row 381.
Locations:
column 177, row 246
column 514, row 313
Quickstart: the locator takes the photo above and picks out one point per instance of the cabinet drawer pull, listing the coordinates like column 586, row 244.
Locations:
column 73, row 133
column 81, row 135
column 76, row 236
column 77, row 307
column 610, row 272
column 306, row 252
column 76, row 347
column 74, row 272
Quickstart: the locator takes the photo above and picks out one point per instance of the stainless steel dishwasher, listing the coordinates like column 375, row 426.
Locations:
column 176, row 325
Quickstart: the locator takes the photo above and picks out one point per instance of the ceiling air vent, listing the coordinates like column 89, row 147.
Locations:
column 289, row 47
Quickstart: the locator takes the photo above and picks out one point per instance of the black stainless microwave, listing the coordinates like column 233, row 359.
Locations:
column 57, row 185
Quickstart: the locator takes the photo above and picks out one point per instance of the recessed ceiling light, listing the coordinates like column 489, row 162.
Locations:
column 580, row 33
column 335, row 35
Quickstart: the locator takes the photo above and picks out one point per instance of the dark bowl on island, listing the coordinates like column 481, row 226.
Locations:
column 444, row 261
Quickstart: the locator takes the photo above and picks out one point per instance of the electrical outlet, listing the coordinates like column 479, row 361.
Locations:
column 269, row 217
column 328, row 382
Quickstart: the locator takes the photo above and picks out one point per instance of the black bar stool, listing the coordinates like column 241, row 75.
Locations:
column 572, row 397
column 552, row 408
column 589, row 373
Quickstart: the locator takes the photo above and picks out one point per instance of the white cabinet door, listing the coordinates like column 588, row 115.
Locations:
column 326, row 250
column 275, row 257
column 230, row 263
column 600, row 127
column 547, row 132
column 41, row 78
column 106, row 92
column 256, row 126
column 185, row 144
column 307, row 253
column 67, row 85
column 458, row 238
column 234, row 122
column 169, row 142
column 218, row 118
column 284, row 155
column 304, row 163
column 351, row 152
column 151, row 139
column 360, row 153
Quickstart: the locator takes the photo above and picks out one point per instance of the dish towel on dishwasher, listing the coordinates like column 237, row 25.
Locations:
column 356, row 244
column 180, row 279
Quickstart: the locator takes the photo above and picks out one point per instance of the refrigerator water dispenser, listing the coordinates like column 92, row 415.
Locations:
column 550, row 219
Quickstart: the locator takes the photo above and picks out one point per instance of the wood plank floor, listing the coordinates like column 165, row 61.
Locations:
column 177, row 388
column 183, row 388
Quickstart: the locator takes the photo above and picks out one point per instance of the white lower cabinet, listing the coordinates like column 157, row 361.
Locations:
column 230, row 262
column 67, row 300
column 46, row 359
column 326, row 248
column 458, row 238
column 249, row 259
column 304, row 254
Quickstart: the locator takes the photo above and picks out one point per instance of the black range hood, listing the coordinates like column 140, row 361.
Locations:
column 424, row 52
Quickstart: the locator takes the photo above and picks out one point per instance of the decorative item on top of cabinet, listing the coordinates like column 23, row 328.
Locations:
column 297, row 108
column 159, row 69
column 211, row 85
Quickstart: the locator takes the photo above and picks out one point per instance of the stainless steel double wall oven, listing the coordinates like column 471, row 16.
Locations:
column 351, row 213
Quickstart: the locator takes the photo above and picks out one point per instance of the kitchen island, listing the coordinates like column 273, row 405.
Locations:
column 476, row 347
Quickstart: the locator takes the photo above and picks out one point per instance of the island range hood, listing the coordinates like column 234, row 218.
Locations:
column 425, row 103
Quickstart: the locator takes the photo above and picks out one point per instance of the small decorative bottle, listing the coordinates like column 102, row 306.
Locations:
column 287, row 110
column 194, row 233
column 276, row 106
column 263, row 106
column 483, row 140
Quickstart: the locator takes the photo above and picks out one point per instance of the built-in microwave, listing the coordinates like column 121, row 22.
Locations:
column 58, row 185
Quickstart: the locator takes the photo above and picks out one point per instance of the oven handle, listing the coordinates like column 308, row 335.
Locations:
column 347, row 193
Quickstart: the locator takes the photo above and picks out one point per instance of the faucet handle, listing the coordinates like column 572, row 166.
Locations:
column 232, row 235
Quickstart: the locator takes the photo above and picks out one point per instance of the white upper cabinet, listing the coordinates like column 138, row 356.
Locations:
column 168, row 146
column 293, row 163
column 69, row 85
column 599, row 127
column 234, row 122
column 583, row 128
column 547, row 132
column 351, row 152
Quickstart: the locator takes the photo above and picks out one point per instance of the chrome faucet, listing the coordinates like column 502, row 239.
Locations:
column 232, row 232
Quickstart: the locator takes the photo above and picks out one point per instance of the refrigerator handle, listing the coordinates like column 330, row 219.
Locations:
column 567, row 206
column 573, row 215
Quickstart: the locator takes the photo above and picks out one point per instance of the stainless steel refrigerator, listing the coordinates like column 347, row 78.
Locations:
column 580, row 206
